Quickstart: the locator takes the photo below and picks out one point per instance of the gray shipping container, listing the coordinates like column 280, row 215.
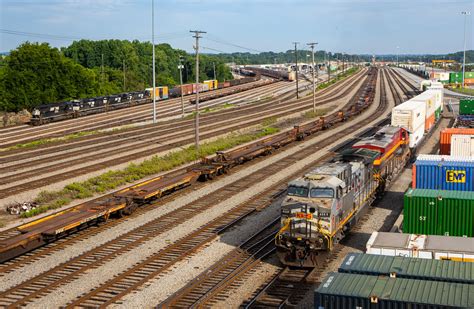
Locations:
column 408, row 267
column 341, row 291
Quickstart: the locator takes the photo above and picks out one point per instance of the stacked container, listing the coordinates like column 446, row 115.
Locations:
column 411, row 116
column 443, row 173
column 438, row 89
column 439, row 212
column 466, row 107
column 455, row 78
column 444, row 77
column 462, row 145
column 446, row 135
column 428, row 98
column 469, row 78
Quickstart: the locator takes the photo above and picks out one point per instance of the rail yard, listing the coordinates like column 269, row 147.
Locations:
column 216, row 172
column 215, row 216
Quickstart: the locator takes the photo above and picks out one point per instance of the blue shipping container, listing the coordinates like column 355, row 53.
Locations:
column 439, row 174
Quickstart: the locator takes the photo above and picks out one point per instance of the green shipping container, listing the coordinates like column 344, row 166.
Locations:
column 468, row 74
column 455, row 78
column 438, row 212
column 466, row 107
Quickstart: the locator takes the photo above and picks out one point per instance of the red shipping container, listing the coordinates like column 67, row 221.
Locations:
column 445, row 138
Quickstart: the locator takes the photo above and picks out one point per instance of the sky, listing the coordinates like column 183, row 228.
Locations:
column 362, row 27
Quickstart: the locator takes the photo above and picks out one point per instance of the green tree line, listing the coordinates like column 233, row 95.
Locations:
column 36, row 73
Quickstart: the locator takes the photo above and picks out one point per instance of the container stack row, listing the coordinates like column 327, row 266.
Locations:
column 419, row 114
column 377, row 281
column 441, row 200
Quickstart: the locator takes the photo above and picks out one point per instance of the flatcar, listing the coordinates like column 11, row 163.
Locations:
column 323, row 205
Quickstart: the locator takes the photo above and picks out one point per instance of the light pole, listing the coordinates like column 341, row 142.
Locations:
column 214, row 68
column 153, row 43
column 181, row 67
column 398, row 51
column 197, row 37
column 296, row 62
column 465, row 13
column 314, row 80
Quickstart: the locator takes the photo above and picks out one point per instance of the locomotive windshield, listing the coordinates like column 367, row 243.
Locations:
column 298, row 191
column 322, row 192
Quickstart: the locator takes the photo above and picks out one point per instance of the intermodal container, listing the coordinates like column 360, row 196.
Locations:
column 416, row 136
column 352, row 291
column 428, row 98
column 438, row 113
column 409, row 115
column 445, row 138
column 438, row 90
column 408, row 267
column 469, row 81
column 443, row 173
column 466, row 107
column 444, row 76
column 438, row 212
column 462, row 145
column 455, row 78
column 468, row 74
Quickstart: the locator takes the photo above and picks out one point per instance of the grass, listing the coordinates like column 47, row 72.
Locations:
column 347, row 73
column 317, row 113
column 210, row 110
column 113, row 179
column 72, row 136
column 468, row 91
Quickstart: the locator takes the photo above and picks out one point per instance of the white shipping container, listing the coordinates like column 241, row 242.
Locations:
column 439, row 95
column 444, row 76
column 416, row 136
column 462, row 145
column 428, row 98
column 421, row 246
column 409, row 115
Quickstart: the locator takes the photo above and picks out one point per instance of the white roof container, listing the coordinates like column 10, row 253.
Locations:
column 462, row 145
column 421, row 246
column 409, row 115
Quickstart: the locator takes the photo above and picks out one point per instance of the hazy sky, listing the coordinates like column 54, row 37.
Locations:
column 367, row 26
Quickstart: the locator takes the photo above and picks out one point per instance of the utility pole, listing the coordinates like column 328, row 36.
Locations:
column 102, row 70
column 296, row 62
column 329, row 68
column 214, row 68
column 314, row 81
column 123, row 74
column 465, row 13
column 398, row 51
column 197, row 37
column 181, row 67
column 153, row 43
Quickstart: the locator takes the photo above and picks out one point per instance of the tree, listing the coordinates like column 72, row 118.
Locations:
column 36, row 74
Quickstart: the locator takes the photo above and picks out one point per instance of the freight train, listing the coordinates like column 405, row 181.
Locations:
column 124, row 202
column 76, row 108
column 322, row 206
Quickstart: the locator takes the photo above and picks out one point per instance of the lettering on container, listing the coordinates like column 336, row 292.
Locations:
column 455, row 176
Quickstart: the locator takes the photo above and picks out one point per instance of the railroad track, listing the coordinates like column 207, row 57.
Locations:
column 287, row 288
column 161, row 261
column 138, row 113
column 232, row 123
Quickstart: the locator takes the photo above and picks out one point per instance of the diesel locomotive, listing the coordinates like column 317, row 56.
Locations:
column 323, row 205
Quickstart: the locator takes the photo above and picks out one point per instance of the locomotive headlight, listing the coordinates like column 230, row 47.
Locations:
column 288, row 244
column 320, row 240
column 312, row 246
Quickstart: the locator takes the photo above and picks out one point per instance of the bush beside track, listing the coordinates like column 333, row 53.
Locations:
column 347, row 73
